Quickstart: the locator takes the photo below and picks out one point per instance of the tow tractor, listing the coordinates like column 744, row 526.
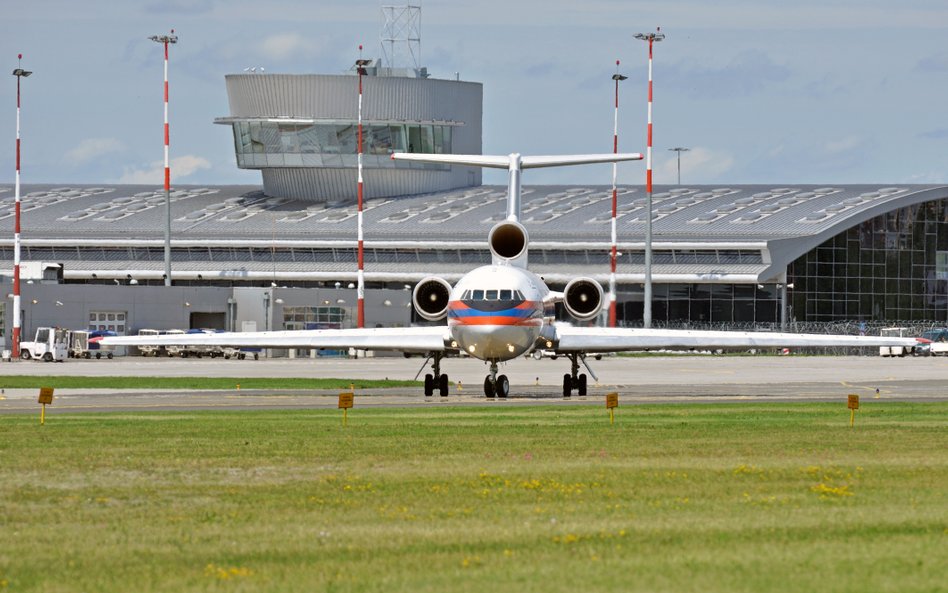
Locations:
column 50, row 344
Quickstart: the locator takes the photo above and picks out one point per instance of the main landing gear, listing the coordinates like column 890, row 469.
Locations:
column 573, row 379
column 436, row 380
column 496, row 385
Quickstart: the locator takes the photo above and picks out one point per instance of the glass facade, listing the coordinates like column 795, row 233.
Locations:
column 320, row 317
column 328, row 144
column 893, row 267
column 702, row 304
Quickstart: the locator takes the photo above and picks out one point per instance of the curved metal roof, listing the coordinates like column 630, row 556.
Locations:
column 781, row 222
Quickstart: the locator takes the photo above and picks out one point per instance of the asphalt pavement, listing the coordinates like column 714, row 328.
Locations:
column 652, row 379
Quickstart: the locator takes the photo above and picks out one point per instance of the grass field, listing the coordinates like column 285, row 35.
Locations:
column 67, row 382
column 671, row 498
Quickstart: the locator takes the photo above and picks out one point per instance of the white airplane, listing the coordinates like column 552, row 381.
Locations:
column 501, row 311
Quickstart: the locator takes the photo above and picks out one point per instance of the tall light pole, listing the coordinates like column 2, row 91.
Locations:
column 615, row 150
column 647, row 312
column 19, row 73
column 165, row 40
column 360, row 290
column 679, row 150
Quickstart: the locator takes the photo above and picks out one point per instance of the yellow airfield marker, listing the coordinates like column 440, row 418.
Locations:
column 853, row 403
column 45, row 397
column 346, row 401
column 612, row 402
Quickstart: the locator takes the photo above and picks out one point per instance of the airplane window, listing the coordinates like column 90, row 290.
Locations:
column 491, row 295
column 505, row 295
column 518, row 296
column 478, row 295
column 465, row 295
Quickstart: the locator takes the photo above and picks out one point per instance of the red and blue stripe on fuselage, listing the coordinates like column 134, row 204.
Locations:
column 505, row 312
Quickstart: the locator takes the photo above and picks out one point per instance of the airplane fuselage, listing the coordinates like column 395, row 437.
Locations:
column 498, row 312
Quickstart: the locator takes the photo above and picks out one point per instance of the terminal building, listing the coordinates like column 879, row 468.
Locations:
column 283, row 254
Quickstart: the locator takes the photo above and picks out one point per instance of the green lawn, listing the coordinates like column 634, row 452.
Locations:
column 671, row 498
column 66, row 382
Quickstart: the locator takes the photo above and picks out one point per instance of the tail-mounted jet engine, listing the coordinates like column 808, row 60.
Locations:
column 430, row 298
column 508, row 242
column 583, row 298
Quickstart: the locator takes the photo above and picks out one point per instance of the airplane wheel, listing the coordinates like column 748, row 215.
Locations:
column 567, row 385
column 443, row 385
column 87, row 355
column 256, row 356
column 488, row 387
column 582, row 384
column 25, row 355
column 429, row 385
column 98, row 355
column 502, row 387
column 184, row 354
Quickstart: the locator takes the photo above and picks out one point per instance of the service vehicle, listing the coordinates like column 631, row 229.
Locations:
column 150, row 349
column 894, row 332
column 933, row 342
column 50, row 344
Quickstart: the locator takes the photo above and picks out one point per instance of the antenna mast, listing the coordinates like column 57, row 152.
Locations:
column 401, row 36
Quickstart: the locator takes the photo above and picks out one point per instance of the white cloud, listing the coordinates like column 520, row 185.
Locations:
column 93, row 148
column 181, row 167
column 844, row 144
column 698, row 165
column 287, row 45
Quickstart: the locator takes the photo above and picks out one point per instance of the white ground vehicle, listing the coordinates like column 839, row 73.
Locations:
column 150, row 349
column 84, row 344
column 174, row 350
column 894, row 332
column 50, row 344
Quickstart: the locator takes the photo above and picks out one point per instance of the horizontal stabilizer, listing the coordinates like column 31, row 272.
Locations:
column 536, row 162
column 526, row 162
column 471, row 160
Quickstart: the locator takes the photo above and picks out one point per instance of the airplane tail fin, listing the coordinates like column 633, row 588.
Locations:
column 515, row 163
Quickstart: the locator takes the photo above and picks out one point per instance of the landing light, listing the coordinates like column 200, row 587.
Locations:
column 549, row 344
column 510, row 347
column 471, row 348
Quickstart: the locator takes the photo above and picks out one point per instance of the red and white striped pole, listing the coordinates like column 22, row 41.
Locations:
column 360, row 289
column 615, row 150
column 647, row 298
column 19, row 73
column 165, row 40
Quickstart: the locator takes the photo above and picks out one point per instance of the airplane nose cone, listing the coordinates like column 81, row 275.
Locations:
column 500, row 342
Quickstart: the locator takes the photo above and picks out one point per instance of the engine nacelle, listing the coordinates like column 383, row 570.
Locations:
column 508, row 242
column 430, row 298
column 582, row 298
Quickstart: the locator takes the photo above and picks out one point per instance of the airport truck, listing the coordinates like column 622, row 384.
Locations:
column 50, row 344
column 894, row 332
column 150, row 349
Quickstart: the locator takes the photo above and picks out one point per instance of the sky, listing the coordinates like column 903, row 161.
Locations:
column 760, row 91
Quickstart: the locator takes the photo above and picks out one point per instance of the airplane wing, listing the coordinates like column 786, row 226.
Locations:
column 609, row 339
column 401, row 339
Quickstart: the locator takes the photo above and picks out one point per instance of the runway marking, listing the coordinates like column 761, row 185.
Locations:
column 872, row 389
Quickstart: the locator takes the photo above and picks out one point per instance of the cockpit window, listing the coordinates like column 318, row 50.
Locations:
column 478, row 295
column 505, row 295
column 491, row 295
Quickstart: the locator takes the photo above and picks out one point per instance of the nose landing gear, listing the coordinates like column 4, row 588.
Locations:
column 496, row 385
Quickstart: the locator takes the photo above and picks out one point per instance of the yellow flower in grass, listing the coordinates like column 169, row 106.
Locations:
column 222, row 573
column 825, row 491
